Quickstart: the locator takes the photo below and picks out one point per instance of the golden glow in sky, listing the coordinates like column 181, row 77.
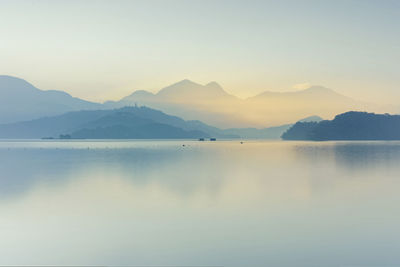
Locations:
column 101, row 50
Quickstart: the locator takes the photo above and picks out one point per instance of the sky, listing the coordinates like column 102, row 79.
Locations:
column 101, row 50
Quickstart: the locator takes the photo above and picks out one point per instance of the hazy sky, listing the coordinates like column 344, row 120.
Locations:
column 101, row 50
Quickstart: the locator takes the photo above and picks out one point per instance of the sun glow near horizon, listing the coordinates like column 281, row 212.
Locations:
column 105, row 50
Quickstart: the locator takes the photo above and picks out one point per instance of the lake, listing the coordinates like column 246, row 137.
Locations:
column 159, row 203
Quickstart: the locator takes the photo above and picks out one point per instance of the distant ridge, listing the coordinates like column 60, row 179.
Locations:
column 20, row 100
column 183, row 91
column 313, row 90
column 269, row 132
column 212, row 104
column 209, row 103
column 129, row 123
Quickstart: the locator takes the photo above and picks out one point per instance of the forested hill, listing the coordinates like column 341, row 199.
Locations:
column 348, row 126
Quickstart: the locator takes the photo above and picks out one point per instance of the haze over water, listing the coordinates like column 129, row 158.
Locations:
column 203, row 204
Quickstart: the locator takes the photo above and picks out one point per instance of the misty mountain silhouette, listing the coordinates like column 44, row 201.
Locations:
column 128, row 123
column 210, row 103
column 348, row 126
column 20, row 100
column 183, row 91
column 187, row 88
column 313, row 91
column 267, row 133
column 188, row 100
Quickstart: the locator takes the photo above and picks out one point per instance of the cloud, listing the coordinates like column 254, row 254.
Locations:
column 302, row 86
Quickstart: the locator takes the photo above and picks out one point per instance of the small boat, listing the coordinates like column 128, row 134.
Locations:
column 201, row 139
column 213, row 139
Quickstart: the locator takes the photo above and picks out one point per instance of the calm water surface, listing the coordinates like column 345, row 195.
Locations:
column 147, row 203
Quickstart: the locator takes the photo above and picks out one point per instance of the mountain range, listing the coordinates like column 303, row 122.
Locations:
column 210, row 103
column 128, row 123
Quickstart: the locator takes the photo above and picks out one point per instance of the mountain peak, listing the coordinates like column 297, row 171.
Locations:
column 13, row 83
column 185, row 82
column 313, row 118
column 141, row 93
column 317, row 88
column 213, row 84
column 187, row 88
column 179, row 88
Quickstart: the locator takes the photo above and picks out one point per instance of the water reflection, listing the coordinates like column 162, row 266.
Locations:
column 367, row 156
column 185, row 170
column 219, row 204
column 354, row 158
column 172, row 167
